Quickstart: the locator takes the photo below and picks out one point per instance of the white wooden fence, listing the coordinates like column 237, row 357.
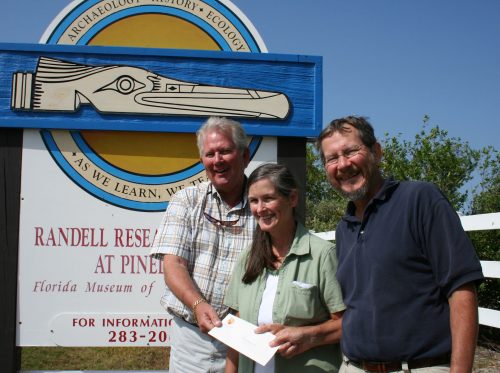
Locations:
column 491, row 269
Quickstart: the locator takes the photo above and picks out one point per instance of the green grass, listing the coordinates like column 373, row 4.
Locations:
column 156, row 358
column 94, row 358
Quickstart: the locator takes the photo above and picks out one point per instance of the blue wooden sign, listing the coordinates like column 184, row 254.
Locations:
column 160, row 90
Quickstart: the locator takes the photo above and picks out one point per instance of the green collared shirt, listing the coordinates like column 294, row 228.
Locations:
column 308, row 293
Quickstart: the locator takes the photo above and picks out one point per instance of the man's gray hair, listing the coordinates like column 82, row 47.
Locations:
column 227, row 126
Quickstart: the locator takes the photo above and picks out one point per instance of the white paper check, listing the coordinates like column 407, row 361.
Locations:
column 240, row 335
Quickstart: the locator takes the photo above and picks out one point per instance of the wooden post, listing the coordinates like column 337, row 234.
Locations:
column 11, row 141
column 292, row 153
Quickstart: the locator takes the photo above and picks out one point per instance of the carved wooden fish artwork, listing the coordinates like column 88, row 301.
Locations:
column 64, row 86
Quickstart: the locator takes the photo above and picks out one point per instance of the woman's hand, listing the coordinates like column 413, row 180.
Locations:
column 293, row 340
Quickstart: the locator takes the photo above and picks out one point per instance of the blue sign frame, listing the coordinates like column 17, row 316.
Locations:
column 296, row 77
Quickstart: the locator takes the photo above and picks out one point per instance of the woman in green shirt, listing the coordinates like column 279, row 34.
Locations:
column 285, row 283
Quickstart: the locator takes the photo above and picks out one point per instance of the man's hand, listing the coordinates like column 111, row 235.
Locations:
column 207, row 317
column 179, row 281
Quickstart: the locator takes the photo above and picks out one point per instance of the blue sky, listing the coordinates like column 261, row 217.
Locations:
column 391, row 60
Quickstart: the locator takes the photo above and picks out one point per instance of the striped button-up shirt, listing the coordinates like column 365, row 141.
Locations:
column 200, row 228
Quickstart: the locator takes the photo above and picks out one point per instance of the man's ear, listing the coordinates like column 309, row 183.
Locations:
column 246, row 156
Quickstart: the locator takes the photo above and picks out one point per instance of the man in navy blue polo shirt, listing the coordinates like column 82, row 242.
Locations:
column 407, row 269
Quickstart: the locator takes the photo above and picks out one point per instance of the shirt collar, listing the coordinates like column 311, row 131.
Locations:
column 300, row 244
column 384, row 193
column 240, row 205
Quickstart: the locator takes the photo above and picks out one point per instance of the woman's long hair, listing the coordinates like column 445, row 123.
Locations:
column 261, row 254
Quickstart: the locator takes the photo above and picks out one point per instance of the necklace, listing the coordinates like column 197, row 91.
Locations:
column 285, row 247
column 278, row 263
column 279, row 259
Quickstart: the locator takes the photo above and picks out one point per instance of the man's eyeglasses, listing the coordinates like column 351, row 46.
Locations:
column 348, row 153
column 224, row 223
column 219, row 222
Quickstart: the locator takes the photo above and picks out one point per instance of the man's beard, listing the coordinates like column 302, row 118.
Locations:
column 355, row 195
column 362, row 192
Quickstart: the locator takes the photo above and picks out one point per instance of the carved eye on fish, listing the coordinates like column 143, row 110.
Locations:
column 58, row 85
column 124, row 84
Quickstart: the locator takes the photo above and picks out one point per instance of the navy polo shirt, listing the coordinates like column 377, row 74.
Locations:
column 397, row 269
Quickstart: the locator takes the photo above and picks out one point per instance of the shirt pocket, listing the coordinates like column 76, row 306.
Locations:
column 304, row 306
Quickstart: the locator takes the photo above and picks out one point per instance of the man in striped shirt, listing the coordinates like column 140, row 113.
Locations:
column 200, row 237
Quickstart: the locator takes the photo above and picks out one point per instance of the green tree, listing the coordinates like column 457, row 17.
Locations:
column 432, row 156
column 324, row 206
column 487, row 195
